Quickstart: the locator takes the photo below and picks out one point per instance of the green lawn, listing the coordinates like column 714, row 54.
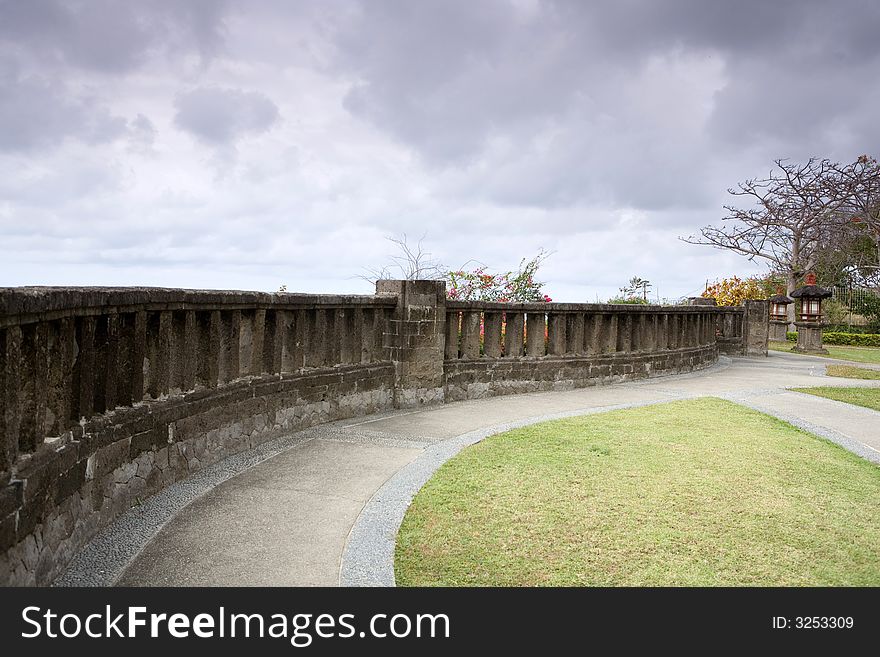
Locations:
column 851, row 372
column 867, row 397
column 698, row 492
column 857, row 354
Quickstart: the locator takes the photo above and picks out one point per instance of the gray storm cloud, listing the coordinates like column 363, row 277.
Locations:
column 601, row 130
column 220, row 116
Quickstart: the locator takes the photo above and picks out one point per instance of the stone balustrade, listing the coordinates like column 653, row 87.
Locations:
column 108, row 395
column 501, row 348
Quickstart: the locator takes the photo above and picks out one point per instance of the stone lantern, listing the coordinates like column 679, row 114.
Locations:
column 779, row 316
column 809, row 317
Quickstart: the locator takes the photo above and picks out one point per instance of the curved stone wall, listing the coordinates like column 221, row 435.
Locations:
column 109, row 395
column 473, row 379
column 501, row 348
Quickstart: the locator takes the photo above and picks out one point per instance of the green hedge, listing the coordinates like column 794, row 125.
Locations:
column 852, row 339
column 845, row 339
column 843, row 328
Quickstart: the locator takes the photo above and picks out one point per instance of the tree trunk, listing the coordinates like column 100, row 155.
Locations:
column 790, row 286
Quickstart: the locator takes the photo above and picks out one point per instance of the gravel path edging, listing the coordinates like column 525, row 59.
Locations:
column 105, row 557
column 835, row 437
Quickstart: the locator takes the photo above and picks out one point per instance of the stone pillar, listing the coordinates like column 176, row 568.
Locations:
column 258, row 342
column 649, row 337
column 453, row 323
column 138, row 346
column 314, row 327
column 593, row 333
column 809, row 339
column 611, row 327
column 556, row 334
column 415, row 340
column 513, row 334
column 470, row 334
column 756, row 328
column 210, row 346
column 574, row 332
column 663, row 332
column 111, row 364
column 288, row 340
column 33, row 383
column 375, row 337
column 84, row 368
column 624, row 332
column 230, row 329
column 535, row 325
column 160, row 341
column 332, row 337
column 349, row 336
column 778, row 331
column 492, row 334
column 61, row 357
column 10, row 373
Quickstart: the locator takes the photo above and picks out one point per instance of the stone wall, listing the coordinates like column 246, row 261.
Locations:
column 557, row 346
column 473, row 379
column 109, row 395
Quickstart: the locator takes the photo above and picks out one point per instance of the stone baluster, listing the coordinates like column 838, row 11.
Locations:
column 513, row 334
column 274, row 341
column 33, row 383
column 10, row 375
column 84, row 369
column 624, row 332
column 470, row 334
column 556, row 334
column 492, row 334
column 453, row 332
column 536, row 323
column 62, row 345
column 230, row 350
column 574, row 334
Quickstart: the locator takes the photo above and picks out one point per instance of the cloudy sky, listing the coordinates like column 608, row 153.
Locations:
column 253, row 144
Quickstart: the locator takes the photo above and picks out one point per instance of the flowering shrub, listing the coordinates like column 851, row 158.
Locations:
column 733, row 291
column 479, row 285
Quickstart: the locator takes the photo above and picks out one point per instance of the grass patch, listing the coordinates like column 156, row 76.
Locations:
column 697, row 492
column 857, row 354
column 851, row 372
column 867, row 397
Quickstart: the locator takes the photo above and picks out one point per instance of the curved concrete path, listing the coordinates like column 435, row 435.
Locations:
column 287, row 516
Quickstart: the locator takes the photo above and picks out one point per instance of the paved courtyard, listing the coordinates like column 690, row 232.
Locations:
column 306, row 512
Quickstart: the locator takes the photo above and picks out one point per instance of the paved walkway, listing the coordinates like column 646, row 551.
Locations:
column 288, row 519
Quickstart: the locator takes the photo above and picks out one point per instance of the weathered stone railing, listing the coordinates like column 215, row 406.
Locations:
column 109, row 395
column 547, row 346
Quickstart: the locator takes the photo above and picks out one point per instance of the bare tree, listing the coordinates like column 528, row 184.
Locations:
column 860, row 185
column 409, row 263
column 798, row 211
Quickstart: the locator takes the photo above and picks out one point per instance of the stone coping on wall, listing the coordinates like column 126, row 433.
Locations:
column 20, row 305
column 554, row 307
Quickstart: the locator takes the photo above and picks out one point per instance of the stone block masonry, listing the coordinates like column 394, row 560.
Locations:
column 107, row 395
